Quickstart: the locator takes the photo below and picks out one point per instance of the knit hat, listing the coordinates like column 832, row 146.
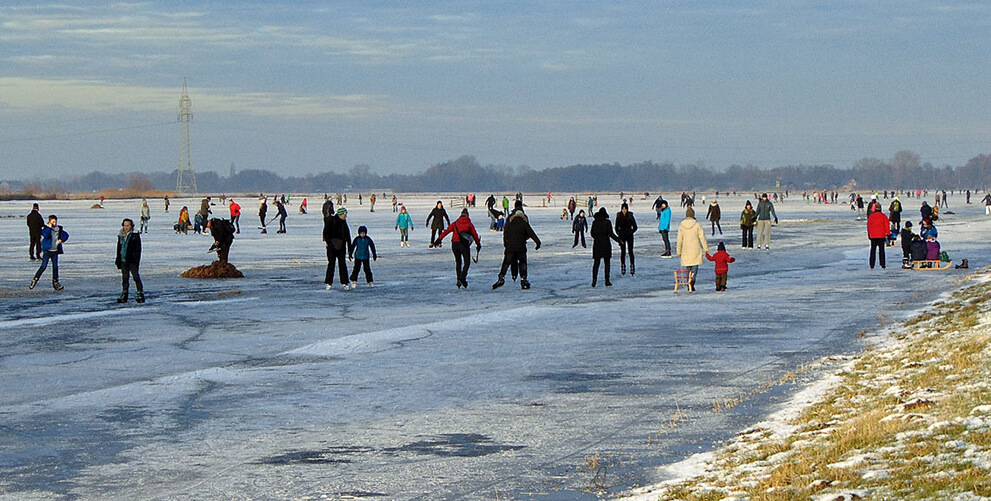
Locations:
column 721, row 246
column 464, row 212
column 602, row 212
column 908, row 224
column 690, row 213
column 518, row 204
column 341, row 211
column 402, row 208
column 624, row 206
column 362, row 229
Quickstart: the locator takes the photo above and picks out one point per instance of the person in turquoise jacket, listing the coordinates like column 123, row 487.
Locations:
column 363, row 248
column 664, row 226
column 404, row 223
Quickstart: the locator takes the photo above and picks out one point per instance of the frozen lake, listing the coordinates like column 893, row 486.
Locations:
column 271, row 387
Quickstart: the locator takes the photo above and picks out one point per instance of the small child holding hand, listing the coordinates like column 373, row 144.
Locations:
column 722, row 260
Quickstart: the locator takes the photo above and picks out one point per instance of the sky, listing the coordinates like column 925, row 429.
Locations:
column 304, row 87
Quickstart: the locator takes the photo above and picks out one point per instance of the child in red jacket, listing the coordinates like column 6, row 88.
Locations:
column 722, row 260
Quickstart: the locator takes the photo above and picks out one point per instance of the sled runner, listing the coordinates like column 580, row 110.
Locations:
column 931, row 265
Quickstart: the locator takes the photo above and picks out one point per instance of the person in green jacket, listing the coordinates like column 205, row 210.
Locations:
column 765, row 214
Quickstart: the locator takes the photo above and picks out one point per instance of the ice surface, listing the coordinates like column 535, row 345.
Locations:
column 271, row 387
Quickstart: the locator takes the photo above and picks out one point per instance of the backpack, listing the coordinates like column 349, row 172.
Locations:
column 466, row 237
column 944, row 257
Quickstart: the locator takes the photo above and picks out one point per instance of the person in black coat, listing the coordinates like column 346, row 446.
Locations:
column 337, row 235
column 35, row 224
column 128, row 259
column 907, row 235
column 626, row 226
column 919, row 249
column 515, row 234
column 223, row 237
column 579, row 227
column 602, row 236
column 440, row 221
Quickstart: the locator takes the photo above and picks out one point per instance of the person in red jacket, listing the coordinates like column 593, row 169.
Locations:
column 878, row 227
column 722, row 260
column 235, row 215
column 462, row 235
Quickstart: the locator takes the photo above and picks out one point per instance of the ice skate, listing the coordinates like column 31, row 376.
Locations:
column 346, row 287
column 499, row 283
column 34, row 281
column 57, row 286
column 329, row 287
column 622, row 269
column 140, row 298
column 122, row 298
column 524, row 284
column 354, row 285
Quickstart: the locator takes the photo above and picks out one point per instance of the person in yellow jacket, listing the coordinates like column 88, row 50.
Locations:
column 691, row 245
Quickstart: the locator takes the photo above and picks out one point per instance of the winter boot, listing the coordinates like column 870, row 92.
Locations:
column 122, row 298
column 608, row 283
column 633, row 269
column 499, row 283
column 34, row 281
column 622, row 269
column 57, row 286
column 963, row 265
column 524, row 284
column 140, row 298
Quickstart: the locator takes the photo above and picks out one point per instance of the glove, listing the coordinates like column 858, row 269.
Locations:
column 397, row 227
column 478, row 247
column 350, row 258
column 375, row 258
column 536, row 247
column 775, row 220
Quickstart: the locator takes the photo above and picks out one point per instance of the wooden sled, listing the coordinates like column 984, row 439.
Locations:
column 931, row 265
column 682, row 277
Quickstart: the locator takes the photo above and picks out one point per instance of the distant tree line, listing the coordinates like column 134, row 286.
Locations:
column 464, row 174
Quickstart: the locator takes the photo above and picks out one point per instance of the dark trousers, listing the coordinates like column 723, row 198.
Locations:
column 462, row 259
column 127, row 271
column 715, row 225
column 626, row 245
column 516, row 260
column 358, row 265
column 236, row 221
column 282, row 224
column 748, row 236
column 721, row 281
column 667, row 242
column 35, row 248
column 45, row 257
column 224, row 251
column 262, row 219
column 433, row 234
column 877, row 244
column 579, row 234
column 339, row 256
column 605, row 270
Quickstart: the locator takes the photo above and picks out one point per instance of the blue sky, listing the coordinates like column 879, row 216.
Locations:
column 303, row 87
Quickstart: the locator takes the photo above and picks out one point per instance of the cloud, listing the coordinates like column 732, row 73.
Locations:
column 38, row 95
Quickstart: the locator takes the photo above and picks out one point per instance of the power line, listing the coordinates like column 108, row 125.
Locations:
column 84, row 133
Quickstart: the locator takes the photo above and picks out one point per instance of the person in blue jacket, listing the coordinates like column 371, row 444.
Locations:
column 404, row 223
column 362, row 248
column 52, row 238
column 664, row 226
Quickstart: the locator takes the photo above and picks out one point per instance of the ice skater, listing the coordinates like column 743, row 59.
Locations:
column 337, row 236
column 361, row 248
column 52, row 238
column 602, row 237
column 463, row 233
column 128, row 259
column 404, row 223
column 515, row 234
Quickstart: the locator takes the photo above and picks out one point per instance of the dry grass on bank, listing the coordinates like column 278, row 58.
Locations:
column 907, row 420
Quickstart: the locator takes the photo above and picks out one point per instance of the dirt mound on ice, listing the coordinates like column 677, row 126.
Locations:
column 215, row 269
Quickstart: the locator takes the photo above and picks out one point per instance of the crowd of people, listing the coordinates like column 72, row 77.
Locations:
column 884, row 229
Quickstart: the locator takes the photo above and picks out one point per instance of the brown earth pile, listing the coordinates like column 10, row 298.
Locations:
column 215, row 269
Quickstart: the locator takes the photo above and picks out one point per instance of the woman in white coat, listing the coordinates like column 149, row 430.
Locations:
column 691, row 245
